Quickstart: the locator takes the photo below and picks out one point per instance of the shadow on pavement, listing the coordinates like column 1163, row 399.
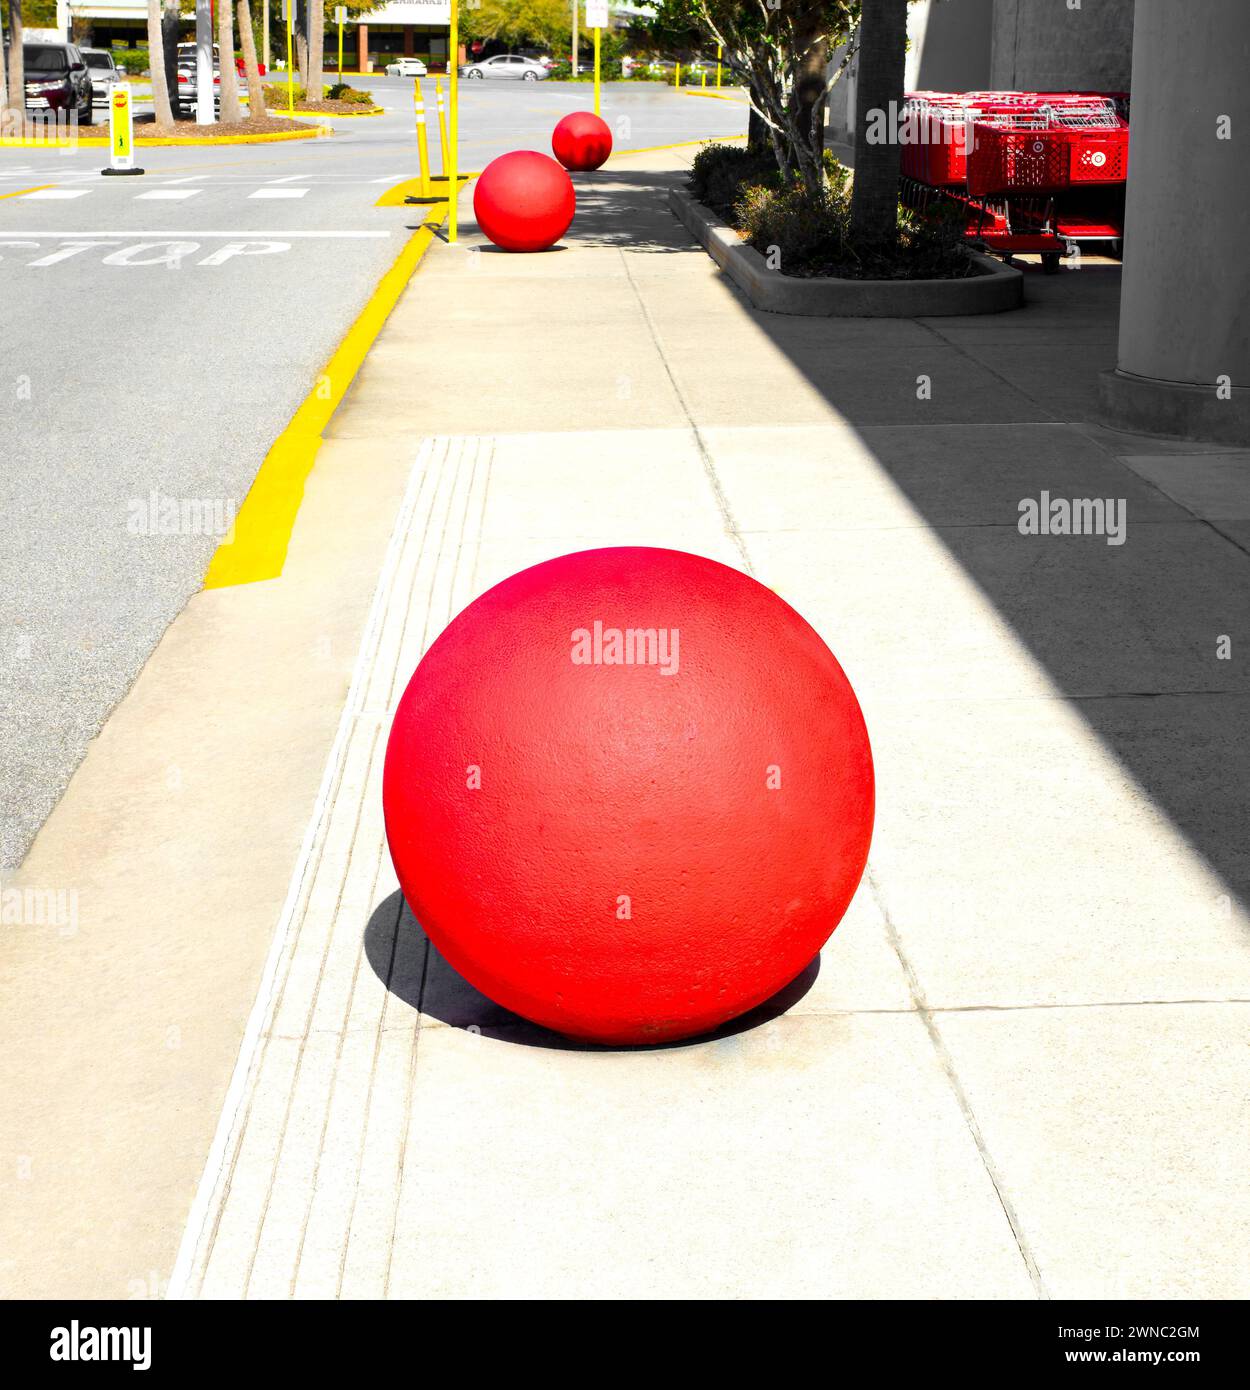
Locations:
column 411, row 968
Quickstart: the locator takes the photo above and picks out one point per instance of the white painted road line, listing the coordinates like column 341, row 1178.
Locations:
column 170, row 193
column 58, row 193
column 129, row 233
column 278, row 193
column 288, row 178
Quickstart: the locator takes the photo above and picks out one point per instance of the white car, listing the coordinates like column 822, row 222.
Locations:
column 406, row 67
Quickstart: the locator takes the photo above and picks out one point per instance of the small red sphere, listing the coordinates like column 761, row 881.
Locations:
column 581, row 140
column 629, row 794
column 524, row 201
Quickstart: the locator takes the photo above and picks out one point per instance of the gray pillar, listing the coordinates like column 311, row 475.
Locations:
column 1184, row 357
column 1054, row 45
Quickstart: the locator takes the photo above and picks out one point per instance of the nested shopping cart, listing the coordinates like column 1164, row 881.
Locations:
column 1034, row 171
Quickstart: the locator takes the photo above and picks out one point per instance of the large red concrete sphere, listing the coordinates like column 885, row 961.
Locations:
column 524, row 201
column 581, row 140
column 625, row 850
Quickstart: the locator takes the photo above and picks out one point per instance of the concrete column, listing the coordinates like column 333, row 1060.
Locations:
column 1054, row 45
column 362, row 48
column 1184, row 354
column 409, row 50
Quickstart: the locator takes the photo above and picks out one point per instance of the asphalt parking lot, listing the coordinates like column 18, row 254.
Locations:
column 161, row 332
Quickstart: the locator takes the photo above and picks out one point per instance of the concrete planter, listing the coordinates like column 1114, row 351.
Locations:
column 993, row 289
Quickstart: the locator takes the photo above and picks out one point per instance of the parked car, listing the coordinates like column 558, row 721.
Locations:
column 188, row 79
column 103, row 73
column 539, row 56
column 509, row 66
column 57, row 79
column 406, row 67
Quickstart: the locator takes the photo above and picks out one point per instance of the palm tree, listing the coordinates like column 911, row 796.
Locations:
column 17, row 68
column 156, row 66
column 316, row 50
column 171, row 23
column 231, row 111
column 4, row 81
column 255, row 91
column 879, row 81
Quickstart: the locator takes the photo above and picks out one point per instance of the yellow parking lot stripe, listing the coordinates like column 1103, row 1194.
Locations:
column 22, row 192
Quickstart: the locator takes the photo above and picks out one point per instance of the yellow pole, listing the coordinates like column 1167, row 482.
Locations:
column 703, row 78
column 453, row 74
column 720, row 52
column 596, row 71
column 290, row 71
column 677, row 73
column 340, row 52
column 442, row 124
column 423, row 152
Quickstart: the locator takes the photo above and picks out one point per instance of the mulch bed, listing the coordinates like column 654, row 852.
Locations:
column 147, row 128
column 330, row 108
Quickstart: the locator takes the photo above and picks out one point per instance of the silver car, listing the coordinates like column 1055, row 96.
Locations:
column 103, row 73
column 510, row 66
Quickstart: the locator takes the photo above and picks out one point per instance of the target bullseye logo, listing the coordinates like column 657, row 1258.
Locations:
column 1096, row 157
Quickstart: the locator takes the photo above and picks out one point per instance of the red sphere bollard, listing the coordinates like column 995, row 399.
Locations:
column 581, row 140
column 524, row 201
column 629, row 794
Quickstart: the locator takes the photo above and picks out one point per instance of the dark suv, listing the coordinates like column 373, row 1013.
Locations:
column 57, row 79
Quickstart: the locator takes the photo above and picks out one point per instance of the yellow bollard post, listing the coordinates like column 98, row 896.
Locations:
column 677, row 74
column 596, row 70
column 453, row 70
column 703, row 78
column 720, row 53
column 442, row 124
column 423, row 153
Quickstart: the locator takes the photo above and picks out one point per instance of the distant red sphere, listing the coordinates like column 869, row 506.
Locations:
column 629, row 794
column 581, row 140
column 524, row 201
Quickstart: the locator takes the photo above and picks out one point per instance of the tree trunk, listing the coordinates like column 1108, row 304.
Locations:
column 313, row 82
column 255, row 91
column 171, row 22
column 301, row 58
column 17, row 67
column 879, row 82
column 231, row 111
column 807, row 101
column 4, row 77
column 757, row 133
column 156, row 66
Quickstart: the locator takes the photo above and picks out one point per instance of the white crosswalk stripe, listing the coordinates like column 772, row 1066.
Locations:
column 278, row 193
column 168, row 193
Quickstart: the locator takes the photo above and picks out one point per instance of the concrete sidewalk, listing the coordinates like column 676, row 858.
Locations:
column 1019, row 1070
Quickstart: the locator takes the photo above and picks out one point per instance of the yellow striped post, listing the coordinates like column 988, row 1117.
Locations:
column 442, row 124
column 423, row 150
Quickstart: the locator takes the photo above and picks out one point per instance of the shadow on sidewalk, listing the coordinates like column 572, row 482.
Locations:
column 412, row 969
column 969, row 418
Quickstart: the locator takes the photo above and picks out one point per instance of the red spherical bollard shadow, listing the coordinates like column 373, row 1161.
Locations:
column 524, row 201
column 629, row 794
column 581, row 140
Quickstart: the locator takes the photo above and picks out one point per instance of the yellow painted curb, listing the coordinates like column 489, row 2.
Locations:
column 680, row 145
column 92, row 142
column 257, row 546
column 735, row 97
column 341, row 115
